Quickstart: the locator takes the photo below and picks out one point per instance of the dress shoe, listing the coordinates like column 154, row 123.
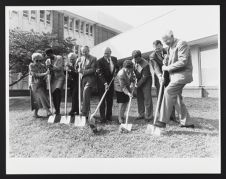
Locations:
column 71, row 113
column 57, row 112
column 36, row 116
column 94, row 128
column 120, row 120
column 160, row 124
column 108, row 118
column 188, row 126
column 149, row 119
column 174, row 119
column 140, row 117
column 49, row 114
column 103, row 120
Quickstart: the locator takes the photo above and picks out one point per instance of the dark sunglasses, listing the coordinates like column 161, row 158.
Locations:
column 38, row 60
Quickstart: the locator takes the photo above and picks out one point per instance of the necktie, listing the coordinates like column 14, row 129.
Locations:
column 110, row 65
column 84, row 63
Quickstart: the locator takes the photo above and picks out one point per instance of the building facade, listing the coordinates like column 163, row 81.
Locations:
column 62, row 23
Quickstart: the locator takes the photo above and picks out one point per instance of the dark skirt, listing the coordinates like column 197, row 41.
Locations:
column 122, row 97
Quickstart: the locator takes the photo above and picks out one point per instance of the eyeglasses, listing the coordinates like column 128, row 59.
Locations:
column 38, row 60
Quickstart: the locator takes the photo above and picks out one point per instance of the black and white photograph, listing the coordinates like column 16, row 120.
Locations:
column 113, row 89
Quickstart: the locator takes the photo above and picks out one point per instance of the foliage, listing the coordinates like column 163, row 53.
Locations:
column 23, row 43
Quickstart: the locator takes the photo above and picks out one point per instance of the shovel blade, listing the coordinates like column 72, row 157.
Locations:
column 80, row 121
column 126, row 127
column 65, row 119
column 51, row 118
column 151, row 129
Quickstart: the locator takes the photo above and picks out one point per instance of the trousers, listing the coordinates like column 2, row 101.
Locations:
column 144, row 100
column 57, row 99
column 74, row 95
column 173, row 97
column 86, row 96
column 106, row 105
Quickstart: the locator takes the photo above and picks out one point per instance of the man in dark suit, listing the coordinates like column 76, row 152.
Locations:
column 107, row 67
column 73, row 83
column 144, row 84
column 156, row 60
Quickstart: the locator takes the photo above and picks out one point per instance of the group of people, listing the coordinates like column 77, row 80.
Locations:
column 171, row 66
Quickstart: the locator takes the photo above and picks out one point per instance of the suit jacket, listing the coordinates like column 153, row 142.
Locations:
column 122, row 81
column 156, row 60
column 88, row 65
column 103, row 70
column 72, row 76
column 180, row 63
column 58, row 63
column 142, row 71
column 57, row 76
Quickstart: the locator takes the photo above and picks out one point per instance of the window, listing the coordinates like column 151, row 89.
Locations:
column 71, row 23
column 14, row 12
column 82, row 27
column 48, row 17
column 65, row 22
column 33, row 15
column 25, row 14
column 87, row 29
column 77, row 25
column 91, row 30
column 42, row 16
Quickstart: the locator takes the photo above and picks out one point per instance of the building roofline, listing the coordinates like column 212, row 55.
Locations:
column 91, row 21
column 76, row 15
column 209, row 40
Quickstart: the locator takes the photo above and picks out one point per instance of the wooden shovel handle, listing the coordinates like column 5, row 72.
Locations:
column 161, row 91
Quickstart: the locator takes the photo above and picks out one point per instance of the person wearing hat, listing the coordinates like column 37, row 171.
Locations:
column 55, row 63
column 123, row 84
column 179, row 66
column 73, row 82
column 144, row 85
column 107, row 68
column 37, row 76
column 86, row 66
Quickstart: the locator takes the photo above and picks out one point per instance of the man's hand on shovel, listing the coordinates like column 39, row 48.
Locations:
column 106, row 86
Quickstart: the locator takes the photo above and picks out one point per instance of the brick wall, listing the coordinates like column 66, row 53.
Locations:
column 58, row 27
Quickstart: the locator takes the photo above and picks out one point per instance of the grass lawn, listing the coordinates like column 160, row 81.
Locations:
column 29, row 137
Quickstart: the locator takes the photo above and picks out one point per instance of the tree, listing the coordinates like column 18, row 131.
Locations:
column 22, row 44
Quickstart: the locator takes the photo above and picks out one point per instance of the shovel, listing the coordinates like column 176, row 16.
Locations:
column 152, row 129
column 126, row 127
column 66, row 118
column 80, row 121
column 53, row 116
column 92, row 119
